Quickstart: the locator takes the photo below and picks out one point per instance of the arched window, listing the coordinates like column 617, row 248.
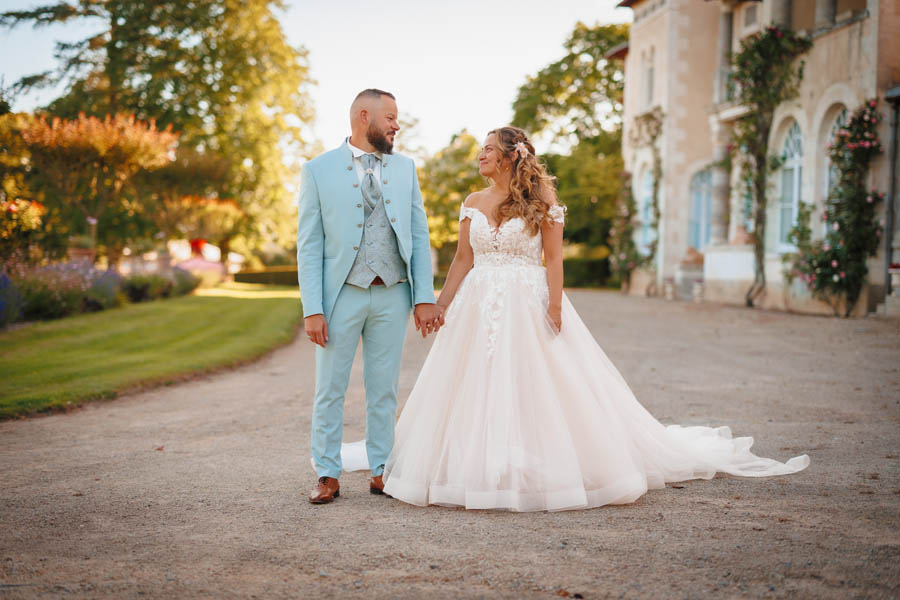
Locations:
column 645, row 233
column 701, row 205
column 791, row 175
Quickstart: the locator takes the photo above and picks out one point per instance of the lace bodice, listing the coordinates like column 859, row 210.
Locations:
column 509, row 244
column 507, row 260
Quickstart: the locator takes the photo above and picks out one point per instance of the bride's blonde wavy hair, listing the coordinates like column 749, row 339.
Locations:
column 531, row 188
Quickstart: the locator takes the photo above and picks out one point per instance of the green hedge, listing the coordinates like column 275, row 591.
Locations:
column 586, row 272
column 286, row 275
column 579, row 272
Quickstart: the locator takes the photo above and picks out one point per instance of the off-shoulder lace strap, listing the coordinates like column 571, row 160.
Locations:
column 557, row 212
column 465, row 211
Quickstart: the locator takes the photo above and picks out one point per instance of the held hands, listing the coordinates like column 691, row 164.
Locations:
column 429, row 318
column 316, row 329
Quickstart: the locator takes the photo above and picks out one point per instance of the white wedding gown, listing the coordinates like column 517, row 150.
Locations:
column 508, row 414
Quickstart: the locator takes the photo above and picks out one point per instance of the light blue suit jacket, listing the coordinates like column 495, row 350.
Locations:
column 330, row 222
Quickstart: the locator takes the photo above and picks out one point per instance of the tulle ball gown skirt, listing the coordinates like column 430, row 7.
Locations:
column 508, row 414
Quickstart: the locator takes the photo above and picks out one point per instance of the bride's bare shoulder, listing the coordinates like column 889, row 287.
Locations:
column 474, row 199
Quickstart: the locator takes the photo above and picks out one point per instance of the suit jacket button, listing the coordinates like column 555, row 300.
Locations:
column 356, row 247
column 349, row 167
column 385, row 181
column 387, row 201
column 359, row 206
column 393, row 220
column 359, row 225
column 355, row 185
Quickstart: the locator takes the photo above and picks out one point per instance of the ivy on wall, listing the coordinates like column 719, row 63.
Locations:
column 647, row 130
column 766, row 73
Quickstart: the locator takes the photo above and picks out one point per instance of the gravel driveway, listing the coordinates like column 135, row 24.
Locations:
column 199, row 489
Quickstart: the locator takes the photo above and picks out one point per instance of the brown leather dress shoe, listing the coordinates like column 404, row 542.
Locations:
column 326, row 490
column 376, row 485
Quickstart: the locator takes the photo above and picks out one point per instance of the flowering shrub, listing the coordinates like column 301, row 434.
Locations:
column 185, row 281
column 835, row 268
column 144, row 287
column 52, row 292
column 63, row 289
column 103, row 292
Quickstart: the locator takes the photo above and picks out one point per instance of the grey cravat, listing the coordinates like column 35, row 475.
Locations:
column 371, row 191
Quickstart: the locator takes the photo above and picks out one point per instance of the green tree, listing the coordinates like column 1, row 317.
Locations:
column 579, row 97
column 172, row 195
column 576, row 103
column 588, row 182
column 218, row 71
column 447, row 178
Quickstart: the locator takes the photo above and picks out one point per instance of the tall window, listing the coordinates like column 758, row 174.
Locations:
column 749, row 15
column 645, row 234
column 647, row 84
column 831, row 173
column 791, row 175
column 701, row 206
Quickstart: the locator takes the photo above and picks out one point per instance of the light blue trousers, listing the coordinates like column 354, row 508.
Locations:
column 379, row 315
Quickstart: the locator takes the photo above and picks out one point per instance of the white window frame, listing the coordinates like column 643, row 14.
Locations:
column 645, row 214
column 647, row 80
column 699, row 220
column 830, row 172
column 789, row 193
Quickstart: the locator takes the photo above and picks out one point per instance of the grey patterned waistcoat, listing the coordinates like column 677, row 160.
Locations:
column 378, row 253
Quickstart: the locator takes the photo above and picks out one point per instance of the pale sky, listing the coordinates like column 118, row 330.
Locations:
column 452, row 65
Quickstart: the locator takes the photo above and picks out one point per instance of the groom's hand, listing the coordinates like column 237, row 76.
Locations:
column 316, row 329
column 429, row 318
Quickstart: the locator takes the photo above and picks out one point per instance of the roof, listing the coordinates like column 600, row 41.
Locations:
column 617, row 51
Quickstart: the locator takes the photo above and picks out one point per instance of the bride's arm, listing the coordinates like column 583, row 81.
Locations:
column 552, row 236
column 462, row 263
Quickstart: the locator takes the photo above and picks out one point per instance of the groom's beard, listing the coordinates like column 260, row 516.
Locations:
column 379, row 140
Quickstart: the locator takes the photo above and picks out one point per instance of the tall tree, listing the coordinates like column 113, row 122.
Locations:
column 575, row 104
column 84, row 165
column 218, row 71
column 448, row 177
column 579, row 97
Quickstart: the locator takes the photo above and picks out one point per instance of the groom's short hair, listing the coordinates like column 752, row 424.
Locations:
column 374, row 94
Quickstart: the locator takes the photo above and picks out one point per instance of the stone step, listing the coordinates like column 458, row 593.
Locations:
column 889, row 308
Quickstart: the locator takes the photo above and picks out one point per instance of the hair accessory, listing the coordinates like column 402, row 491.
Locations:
column 522, row 149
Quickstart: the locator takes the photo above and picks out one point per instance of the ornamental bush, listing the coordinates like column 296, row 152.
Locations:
column 185, row 281
column 10, row 301
column 834, row 268
column 144, row 287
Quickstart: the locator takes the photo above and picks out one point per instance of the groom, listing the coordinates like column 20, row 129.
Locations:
column 363, row 261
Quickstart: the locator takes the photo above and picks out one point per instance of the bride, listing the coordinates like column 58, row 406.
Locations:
column 517, row 407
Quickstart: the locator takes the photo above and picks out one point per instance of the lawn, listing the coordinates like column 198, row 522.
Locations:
column 58, row 364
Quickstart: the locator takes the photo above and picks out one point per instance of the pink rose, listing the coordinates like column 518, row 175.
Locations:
column 842, row 274
column 869, row 199
column 835, row 226
column 834, row 264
